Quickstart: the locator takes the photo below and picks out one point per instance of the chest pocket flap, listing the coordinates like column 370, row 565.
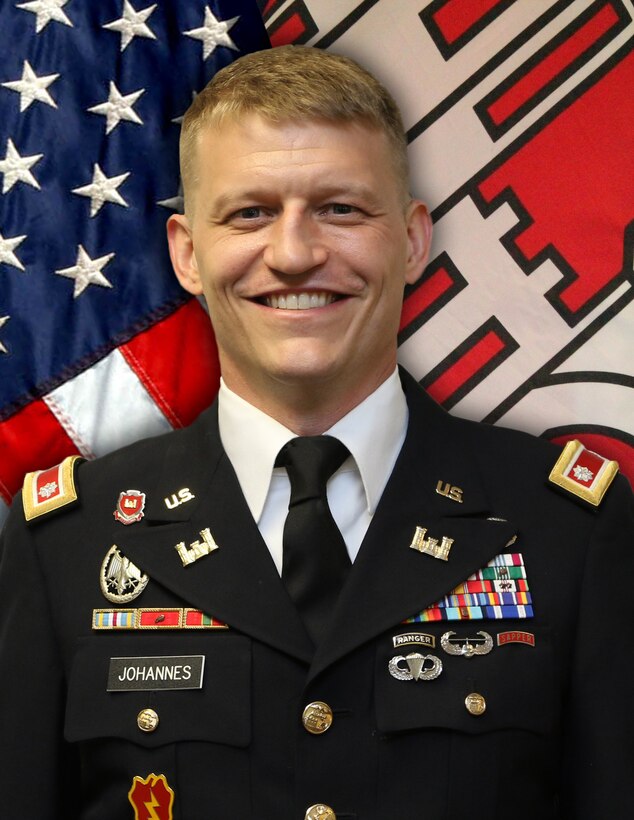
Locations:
column 218, row 712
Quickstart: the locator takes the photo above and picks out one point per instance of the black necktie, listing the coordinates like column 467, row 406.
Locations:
column 316, row 560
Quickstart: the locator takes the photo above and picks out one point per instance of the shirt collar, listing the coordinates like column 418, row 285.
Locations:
column 373, row 432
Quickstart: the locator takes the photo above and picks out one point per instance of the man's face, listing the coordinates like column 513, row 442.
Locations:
column 299, row 238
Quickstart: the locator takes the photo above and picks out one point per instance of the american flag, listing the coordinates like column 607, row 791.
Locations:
column 98, row 343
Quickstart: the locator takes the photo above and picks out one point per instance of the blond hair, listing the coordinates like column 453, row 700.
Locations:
column 291, row 83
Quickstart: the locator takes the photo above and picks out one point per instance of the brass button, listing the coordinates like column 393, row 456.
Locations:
column 317, row 717
column 320, row 812
column 147, row 720
column 476, row 704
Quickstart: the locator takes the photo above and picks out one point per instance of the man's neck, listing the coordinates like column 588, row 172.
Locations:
column 306, row 408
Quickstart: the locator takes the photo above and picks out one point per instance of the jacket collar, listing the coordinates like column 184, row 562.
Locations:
column 389, row 582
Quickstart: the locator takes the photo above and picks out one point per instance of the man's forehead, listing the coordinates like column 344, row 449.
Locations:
column 258, row 131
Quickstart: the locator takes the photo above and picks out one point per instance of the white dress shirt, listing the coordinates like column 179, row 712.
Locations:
column 373, row 432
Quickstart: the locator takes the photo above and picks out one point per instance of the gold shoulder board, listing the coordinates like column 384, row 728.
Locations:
column 583, row 473
column 48, row 490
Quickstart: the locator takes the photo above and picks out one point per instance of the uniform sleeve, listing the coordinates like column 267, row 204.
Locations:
column 599, row 750
column 35, row 773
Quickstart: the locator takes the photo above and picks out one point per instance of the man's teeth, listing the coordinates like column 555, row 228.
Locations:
column 300, row 301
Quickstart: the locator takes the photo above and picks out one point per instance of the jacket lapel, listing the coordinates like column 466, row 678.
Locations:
column 236, row 583
column 389, row 581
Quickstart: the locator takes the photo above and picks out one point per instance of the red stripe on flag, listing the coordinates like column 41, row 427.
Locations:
column 466, row 367
column 552, row 65
column 424, row 296
column 456, row 17
column 35, row 440
column 289, row 31
column 183, row 380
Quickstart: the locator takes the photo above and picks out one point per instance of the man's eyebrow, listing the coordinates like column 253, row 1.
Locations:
column 322, row 191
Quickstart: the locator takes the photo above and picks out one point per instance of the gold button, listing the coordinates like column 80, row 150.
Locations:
column 317, row 717
column 320, row 812
column 147, row 720
column 476, row 704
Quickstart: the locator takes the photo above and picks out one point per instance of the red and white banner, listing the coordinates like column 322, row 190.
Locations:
column 520, row 117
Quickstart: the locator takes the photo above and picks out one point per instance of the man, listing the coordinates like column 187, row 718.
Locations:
column 167, row 654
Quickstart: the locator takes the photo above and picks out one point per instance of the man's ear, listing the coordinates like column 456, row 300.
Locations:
column 419, row 231
column 182, row 254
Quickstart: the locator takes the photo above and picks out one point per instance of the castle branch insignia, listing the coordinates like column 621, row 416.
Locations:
column 430, row 546
column 121, row 581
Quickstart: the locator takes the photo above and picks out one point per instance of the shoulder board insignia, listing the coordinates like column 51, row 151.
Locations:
column 583, row 473
column 48, row 490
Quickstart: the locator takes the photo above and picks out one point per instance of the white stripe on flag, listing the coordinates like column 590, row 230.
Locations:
column 106, row 407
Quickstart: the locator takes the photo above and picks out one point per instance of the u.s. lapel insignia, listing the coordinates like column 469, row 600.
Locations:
column 197, row 549
column 130, row 507
column 176, row 499
column 48, row 490
column 430, row 546
column 151, row 797
column 482, row 644
column 449, row 491
column 583, row 473
column 120, row 580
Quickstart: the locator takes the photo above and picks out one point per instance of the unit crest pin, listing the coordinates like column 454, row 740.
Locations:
column 130, row 506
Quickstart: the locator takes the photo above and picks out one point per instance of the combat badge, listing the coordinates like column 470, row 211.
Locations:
column 120, row 580
column 48, row 490
column 130, row 507
column 583, row 473
column 482, row 644
column 151, row 797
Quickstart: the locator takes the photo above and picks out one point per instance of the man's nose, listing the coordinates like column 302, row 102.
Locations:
column 295, row 245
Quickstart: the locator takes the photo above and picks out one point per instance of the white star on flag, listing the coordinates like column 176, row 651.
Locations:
column 132, row 24
column 3, row 321
column 87, row 271
column 102, row 189
column 45, row 11
column 175, row 203
column 7, row 246
column 32, row 88
column 213, row 33
column 119, row 107
column 16, row 168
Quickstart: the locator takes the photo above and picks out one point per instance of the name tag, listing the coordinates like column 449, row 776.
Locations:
column 164, row 672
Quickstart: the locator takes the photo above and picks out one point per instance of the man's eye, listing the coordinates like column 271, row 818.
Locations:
column 249, row 213
column 341, row 209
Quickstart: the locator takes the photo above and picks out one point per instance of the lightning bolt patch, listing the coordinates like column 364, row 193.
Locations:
column 152, row 815
column 151, row 797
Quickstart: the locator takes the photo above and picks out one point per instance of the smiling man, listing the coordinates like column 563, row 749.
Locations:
column 326, row 598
